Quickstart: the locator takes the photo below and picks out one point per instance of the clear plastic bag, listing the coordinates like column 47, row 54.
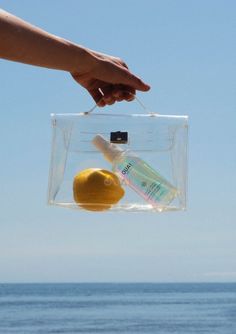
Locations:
column 144, row 154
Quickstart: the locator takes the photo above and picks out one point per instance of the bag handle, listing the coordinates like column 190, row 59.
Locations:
column 135, row 97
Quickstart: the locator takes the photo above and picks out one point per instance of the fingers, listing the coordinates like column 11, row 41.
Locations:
column 103, row 95
column 109, row 94
column 97, row 96
column 123, row 92
column 118, row 74
column 132, row 81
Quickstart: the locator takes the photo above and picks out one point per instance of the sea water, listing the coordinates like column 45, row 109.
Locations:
column 118, row 308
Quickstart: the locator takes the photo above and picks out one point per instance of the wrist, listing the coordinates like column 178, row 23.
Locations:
column 82, row 59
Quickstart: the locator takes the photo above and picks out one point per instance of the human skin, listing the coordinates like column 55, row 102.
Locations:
column 106, row 78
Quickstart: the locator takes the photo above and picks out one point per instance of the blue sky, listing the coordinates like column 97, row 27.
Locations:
column 186, row 51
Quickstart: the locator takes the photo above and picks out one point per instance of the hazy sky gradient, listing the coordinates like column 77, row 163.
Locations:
column 186, row 50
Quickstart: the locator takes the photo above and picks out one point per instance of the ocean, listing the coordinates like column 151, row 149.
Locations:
column 118, row 308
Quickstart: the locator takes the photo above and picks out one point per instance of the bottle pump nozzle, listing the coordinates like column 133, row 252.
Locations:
column 110, row 151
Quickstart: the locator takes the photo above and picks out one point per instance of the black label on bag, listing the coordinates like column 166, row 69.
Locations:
column 119, row 137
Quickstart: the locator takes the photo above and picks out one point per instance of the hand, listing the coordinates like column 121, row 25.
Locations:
column 108, row 80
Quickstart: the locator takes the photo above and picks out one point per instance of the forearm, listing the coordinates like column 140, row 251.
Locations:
column 22, row 42
column 106, row 78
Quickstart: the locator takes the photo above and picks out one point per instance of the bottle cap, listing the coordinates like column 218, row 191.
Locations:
column 110, row 151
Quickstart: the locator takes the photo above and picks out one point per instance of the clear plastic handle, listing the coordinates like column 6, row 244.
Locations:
column 135, row 97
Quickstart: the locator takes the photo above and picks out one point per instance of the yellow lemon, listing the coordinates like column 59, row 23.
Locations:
column 97, row 189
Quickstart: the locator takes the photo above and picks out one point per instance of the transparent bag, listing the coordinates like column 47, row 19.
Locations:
column 119, row 161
